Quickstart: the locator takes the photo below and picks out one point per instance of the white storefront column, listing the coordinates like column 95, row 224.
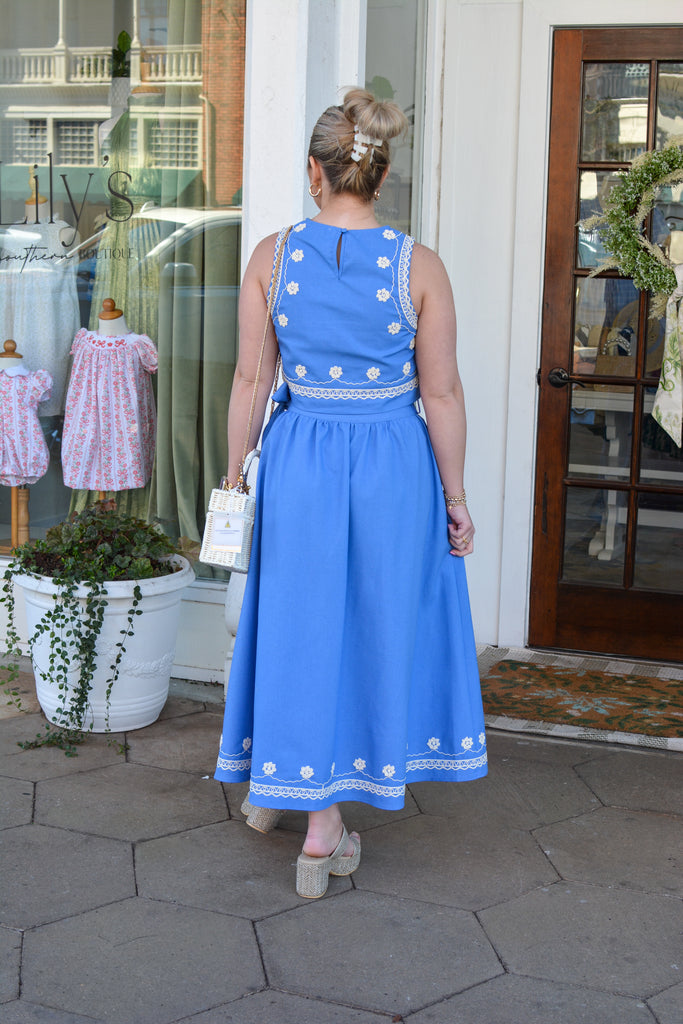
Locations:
column 300, row 56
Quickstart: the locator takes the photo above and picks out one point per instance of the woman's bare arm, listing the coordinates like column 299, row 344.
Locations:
column 440, row 384
column 252, row 317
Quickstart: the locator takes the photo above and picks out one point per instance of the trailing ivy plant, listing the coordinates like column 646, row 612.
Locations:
column 92, row 548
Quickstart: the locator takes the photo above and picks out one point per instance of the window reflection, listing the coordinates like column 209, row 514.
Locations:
column 394, row 70
column 594, row 536
column 614, row 124
column 121, row 148
column 605, row 326
column 659, row 542
column 669, row 102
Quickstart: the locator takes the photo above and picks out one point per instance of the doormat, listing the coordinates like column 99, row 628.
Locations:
column 523, row 696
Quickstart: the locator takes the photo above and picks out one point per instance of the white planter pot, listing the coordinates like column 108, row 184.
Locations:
column 141, row 688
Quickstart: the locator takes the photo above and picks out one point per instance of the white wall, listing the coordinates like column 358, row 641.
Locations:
column 476, row 240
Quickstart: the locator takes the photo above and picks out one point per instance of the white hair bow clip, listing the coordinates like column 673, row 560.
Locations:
column 361, row 141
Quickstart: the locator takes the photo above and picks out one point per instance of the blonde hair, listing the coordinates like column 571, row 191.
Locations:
column 333, row 138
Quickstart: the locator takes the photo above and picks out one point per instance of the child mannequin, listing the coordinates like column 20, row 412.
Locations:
column 111, row 320
column 11, row 360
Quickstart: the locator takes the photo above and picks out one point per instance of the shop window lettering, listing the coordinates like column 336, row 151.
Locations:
column 39, row 253
column 114, row 185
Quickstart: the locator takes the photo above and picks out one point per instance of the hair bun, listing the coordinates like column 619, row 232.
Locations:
column 382, row 119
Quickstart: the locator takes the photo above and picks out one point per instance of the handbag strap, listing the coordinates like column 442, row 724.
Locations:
column 241, row 484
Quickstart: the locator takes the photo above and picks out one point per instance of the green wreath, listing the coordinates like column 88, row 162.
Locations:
column 621, row 223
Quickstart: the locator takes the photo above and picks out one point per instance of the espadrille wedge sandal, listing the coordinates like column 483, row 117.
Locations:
column 261, row 818
column 313, row 873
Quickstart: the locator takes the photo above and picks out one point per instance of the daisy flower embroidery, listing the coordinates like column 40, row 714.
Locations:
column 359, row 764
column 306, row 772
column 382, row 294
column 268, row 768
column 406, row 367
column 373, row 373
column 388, row 771
column 393, row 328
column 433, row 743
column 467, row 743
column 336, row 372
column 388, row 233
column 282, row 320
column 298, row 255
column 292, row 287
column 383, row 262
column 301, row 371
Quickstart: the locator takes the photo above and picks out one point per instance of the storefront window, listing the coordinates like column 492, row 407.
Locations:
column 394, row 70
column 121, row 127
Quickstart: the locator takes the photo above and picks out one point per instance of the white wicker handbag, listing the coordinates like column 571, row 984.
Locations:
column 230, row 518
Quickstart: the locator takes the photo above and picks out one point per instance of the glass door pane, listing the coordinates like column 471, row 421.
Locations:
column 659, row 543
column 614, row 125
column 600, row 431
column 394, row 70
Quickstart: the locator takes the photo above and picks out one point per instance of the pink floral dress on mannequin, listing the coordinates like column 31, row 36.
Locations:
column 110, row 417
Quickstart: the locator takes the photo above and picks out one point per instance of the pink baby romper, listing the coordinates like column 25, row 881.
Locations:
column 24, row 457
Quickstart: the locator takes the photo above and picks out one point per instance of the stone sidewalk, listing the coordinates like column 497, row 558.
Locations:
column 548, row 893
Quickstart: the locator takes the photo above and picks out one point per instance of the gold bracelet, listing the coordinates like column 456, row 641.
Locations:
column 455, row 499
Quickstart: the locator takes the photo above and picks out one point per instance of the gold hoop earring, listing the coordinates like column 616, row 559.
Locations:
column 377, row 194
column 314, row 195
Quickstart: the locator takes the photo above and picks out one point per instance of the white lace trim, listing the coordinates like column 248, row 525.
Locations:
column 278, row 243
column 333, row 392
column 404, row 281
column 234, row 766
column 430, row 763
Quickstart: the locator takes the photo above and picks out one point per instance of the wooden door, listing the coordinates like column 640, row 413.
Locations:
column 607, row 566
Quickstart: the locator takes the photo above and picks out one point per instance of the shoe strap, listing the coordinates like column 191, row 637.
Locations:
column 342, row 844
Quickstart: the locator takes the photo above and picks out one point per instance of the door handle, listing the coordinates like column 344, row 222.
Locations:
column 558, row 377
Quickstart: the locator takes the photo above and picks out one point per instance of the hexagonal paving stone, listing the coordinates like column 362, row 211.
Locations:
column 174, row 707
column 188, row 743
column 667, row 1005
column 16, row 802
column 234, row 870
column 636, row 849
column 280, row 1008
column 524, row 794
column 10, row 955
column 639, row 779
column 48, row 873
column 614, row 940
column 470, row 863
column 141, row 961
column 130, row 801
column 21, row 1012
column 51, row 762
column 525, row 747
column 25, row 687
column 358, row 948
column 509, row 1000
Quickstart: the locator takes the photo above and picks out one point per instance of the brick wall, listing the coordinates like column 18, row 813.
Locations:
column 223, row 36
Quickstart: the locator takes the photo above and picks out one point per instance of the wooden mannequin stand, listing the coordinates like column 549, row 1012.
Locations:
column 19, row 528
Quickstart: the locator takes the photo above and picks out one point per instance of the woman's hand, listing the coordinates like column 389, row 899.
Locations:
column 460, row 531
